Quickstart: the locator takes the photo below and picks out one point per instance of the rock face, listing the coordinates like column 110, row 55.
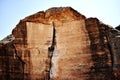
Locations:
column 118, row 27
column 60, row 44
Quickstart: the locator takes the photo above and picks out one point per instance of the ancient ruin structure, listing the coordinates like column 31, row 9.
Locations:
column 60, row 44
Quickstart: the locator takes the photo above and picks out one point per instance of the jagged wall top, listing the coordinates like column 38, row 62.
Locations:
column 55, row 14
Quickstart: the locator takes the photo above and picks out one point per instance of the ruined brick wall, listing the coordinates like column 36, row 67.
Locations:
column 60, row 44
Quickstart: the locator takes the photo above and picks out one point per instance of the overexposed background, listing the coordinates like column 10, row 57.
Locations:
column 11, row 11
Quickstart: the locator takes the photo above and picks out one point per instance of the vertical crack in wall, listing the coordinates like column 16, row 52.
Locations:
column 50, row 53
column 19, row 58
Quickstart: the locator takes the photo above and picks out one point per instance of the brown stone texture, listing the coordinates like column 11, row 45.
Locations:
column 60, row 44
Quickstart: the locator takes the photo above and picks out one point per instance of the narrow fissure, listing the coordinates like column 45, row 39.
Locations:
column 17, row 54
column 19, row 58
column 50, row 52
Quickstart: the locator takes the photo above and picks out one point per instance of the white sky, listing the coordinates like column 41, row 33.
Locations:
column 11, row 11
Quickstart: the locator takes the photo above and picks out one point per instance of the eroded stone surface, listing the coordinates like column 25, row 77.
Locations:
column 60, row 44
